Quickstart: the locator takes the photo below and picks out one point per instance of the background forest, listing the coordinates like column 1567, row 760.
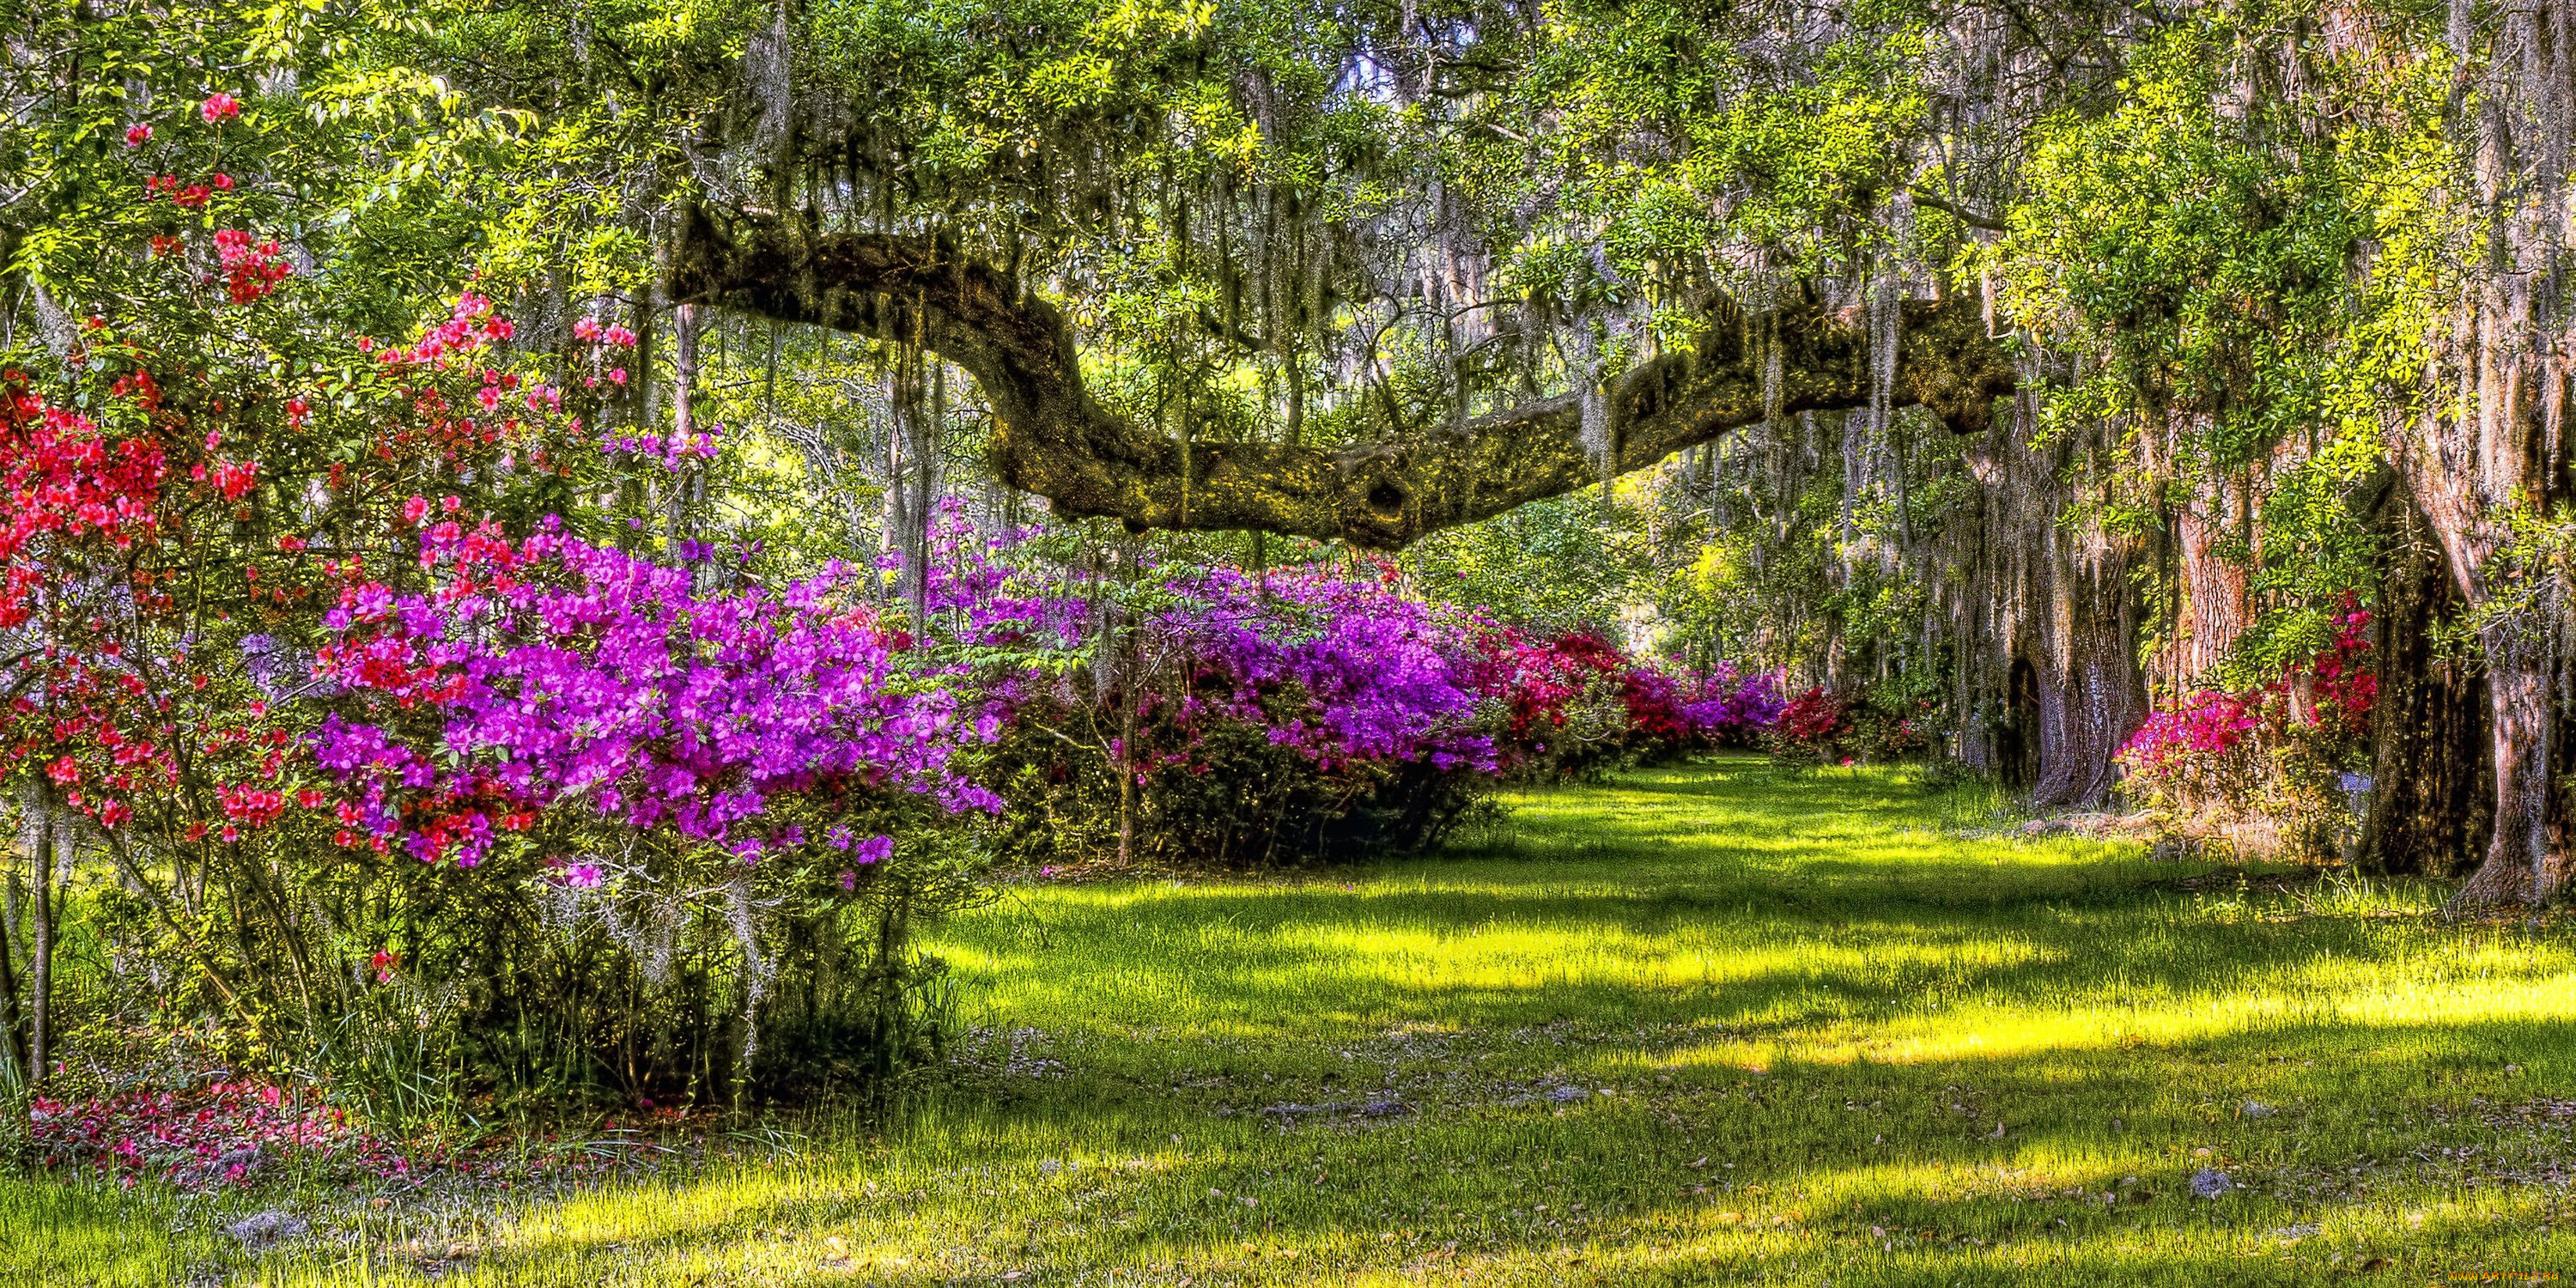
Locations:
column 564, row 527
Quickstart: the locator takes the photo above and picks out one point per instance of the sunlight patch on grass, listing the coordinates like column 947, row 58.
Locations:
column 1707, row 1024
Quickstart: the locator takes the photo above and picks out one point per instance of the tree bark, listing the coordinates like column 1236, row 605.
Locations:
column 680, row 519
column 2430, row 795
column 2048, row 615
column 2091, row 696
column 2527, row 854
column 2486, row 448
column 2212, row 607
column 1051, row 437
column 51, row 852
column 2471, row 473
column 14, row 1017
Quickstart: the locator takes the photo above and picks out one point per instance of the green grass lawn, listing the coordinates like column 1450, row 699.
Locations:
column 1702, row 1025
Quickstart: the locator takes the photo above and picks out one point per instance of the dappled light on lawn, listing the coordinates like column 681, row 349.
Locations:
column 1622, row 1038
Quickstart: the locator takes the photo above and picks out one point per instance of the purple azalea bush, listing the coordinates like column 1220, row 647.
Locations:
column 1248, row 719
column 589, row 743
column 594, row 690
column 1730, row 708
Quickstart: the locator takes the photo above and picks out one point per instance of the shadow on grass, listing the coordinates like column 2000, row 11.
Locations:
column 1740, row 902
column 1884, row 1171
column 1837, row 1045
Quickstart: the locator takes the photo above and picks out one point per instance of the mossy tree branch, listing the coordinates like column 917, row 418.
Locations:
column 1054, row 439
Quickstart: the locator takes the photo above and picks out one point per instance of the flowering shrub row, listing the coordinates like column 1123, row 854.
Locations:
column 1219, row 716
column 1888, row 721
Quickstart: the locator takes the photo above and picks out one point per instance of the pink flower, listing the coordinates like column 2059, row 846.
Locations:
column 584, row 876
column 617, row 375
column 138, row 134
column 586, row 329
column 219, row 107
column 620, row 336
column 414, row 510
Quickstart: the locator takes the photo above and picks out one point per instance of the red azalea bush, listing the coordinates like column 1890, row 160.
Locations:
column 1573, row 704
column 1811, row 728
column 1562, row 701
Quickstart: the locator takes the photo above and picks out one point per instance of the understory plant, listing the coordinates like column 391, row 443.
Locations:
column 2272, row 764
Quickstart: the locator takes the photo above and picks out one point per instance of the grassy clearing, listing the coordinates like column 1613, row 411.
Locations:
column 1701, row 1025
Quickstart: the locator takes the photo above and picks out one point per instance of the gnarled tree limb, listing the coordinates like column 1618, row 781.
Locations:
column 1052, row 438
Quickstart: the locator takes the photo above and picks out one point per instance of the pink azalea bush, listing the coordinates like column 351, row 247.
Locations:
column 2271, row 755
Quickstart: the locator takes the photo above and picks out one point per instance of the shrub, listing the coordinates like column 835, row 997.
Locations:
column 1725, row 707
column 2266, row 761
column 1238, row 719
column 1562, row 701
column 1811, row 728
column 656, row 775
column 1892, row 720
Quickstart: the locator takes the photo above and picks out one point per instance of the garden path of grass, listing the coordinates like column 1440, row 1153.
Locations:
column 1707, row 1024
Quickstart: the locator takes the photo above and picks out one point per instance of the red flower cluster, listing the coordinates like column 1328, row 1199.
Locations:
column 2331, row 692
column 243, row 1133
column 190, row 197
column 225, row 1133
column 65, row 481
column 250, row 271
column 1812, row 719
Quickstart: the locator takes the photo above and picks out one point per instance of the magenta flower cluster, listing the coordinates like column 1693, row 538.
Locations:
column 1385, row 677
column 567, row 676
column 1730, row 707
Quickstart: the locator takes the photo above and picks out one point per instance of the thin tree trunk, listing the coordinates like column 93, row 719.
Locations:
column 678, row 523
column 13, row 1002
column 53, row 848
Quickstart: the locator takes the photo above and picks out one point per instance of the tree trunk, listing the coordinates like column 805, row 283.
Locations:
column 2091, row 697
column 2486, row 452
column 2430, row 794
column 51, row 853
column 2527, row 855
column 678, row 521
column 2049, row 606
column 14, row 1003
column 2212, row 608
